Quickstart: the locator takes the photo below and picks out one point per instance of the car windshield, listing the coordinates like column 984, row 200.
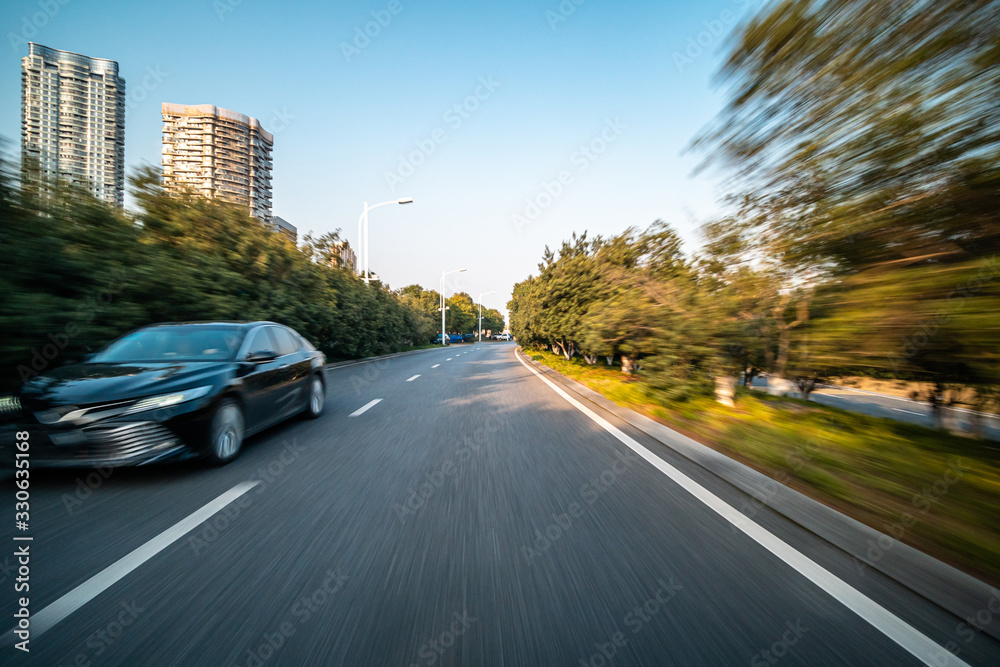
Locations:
column 158, row 344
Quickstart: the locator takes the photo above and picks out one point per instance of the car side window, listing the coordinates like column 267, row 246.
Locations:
column 287, row 343
column 261, row 341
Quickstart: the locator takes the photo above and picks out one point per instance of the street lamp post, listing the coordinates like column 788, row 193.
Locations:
column 443, row 274
column 364, row 220
column 481, row 295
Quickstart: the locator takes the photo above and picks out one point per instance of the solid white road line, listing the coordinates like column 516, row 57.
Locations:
column 911, row 639
column 413, row 378
column 43, row 620
column 909, row 412
column 435, row 365
column 365, row 408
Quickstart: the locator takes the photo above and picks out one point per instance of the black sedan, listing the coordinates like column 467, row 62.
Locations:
column 170, row 391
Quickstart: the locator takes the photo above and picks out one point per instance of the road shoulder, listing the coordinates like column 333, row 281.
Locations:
column 949, row 588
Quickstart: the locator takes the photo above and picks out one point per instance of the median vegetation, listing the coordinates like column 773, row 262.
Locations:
column 859, row 239
column 78, row 273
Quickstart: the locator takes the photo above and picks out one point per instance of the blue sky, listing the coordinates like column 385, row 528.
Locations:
column 477, row 110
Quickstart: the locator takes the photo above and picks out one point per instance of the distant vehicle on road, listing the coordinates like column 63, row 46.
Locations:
column 455, row 337
column 469, row 338
column 437, row 340
column 170, row 391
column 504, row 336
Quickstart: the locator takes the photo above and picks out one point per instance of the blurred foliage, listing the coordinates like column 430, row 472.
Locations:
column 461, row 316
column 78, row 273
column 862, row 142
column 633, row 297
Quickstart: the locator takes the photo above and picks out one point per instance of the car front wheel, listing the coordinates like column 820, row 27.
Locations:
column 226, row 436
column 317, row 398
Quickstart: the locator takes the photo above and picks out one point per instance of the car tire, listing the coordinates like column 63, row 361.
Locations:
column 226, row 432
column 316, row 400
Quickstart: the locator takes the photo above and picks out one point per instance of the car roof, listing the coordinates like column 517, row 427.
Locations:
column 212, row 323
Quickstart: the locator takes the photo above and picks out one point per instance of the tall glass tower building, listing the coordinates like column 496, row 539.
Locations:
column 218, row 153
column 73, row 120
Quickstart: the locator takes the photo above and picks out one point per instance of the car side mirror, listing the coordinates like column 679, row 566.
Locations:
column 262, row 355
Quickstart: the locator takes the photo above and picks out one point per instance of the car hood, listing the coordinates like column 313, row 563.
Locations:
column 82, row 384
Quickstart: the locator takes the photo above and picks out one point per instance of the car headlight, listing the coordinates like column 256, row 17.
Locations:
column 166, row 400
column 82, row 416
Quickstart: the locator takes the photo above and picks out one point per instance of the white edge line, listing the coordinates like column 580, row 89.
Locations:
column 364, row 408
column 908, row 637
column 44, row 620
column 414, row 377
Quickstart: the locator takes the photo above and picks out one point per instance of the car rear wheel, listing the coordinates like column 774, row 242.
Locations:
column 317, row 398
column 226, row 436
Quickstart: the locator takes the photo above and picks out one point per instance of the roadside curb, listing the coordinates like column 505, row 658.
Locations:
column 948, row 587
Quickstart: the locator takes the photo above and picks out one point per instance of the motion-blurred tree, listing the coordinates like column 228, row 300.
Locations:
column 867, row 135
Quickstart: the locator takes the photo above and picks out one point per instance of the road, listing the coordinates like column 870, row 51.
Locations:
column 469, row 515
column 891, row 407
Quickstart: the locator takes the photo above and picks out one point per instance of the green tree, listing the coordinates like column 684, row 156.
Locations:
column 865, row 135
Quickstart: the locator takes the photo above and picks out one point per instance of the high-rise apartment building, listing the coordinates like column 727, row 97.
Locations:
column 281, row 226
column 344, row 256
column 218, row 153
column 73, row 120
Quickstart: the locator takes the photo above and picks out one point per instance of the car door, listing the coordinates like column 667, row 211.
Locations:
column 295, row 368
column 262, row 381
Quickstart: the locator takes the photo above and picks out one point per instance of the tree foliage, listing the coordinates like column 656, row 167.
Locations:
column 78, row 273
column 862, row 140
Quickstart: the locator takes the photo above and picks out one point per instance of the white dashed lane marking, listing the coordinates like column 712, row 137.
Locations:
column 365, row 408
column 43, row 620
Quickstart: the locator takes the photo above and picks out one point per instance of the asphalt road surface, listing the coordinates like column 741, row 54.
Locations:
column 892, row 407
column 470, row 515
